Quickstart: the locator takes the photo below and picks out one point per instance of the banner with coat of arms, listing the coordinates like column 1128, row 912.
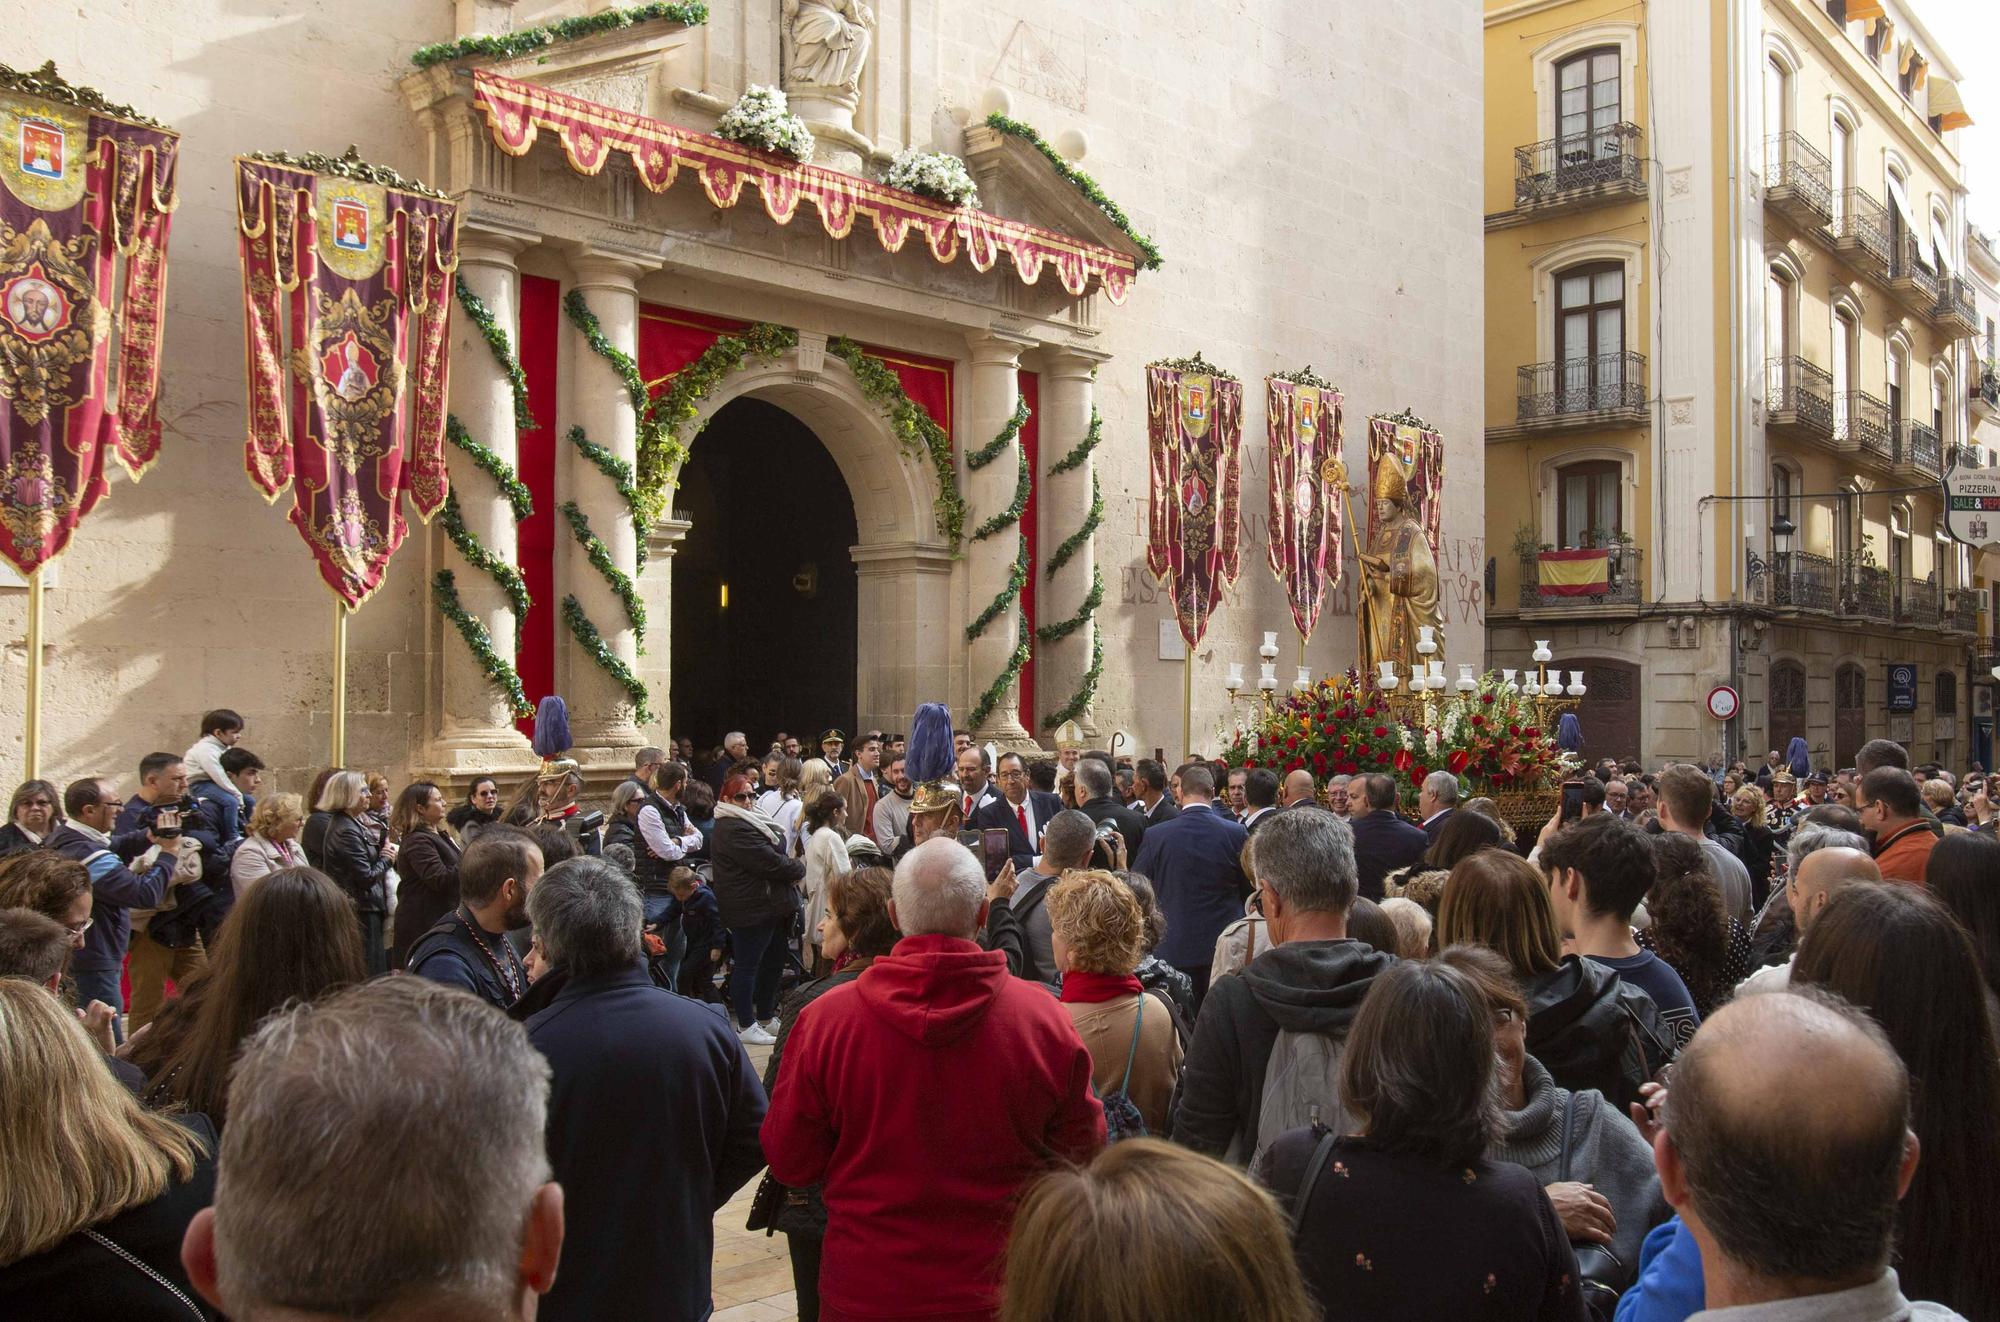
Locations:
column 1194, row 432
column 1414, row 450
column 83, row 183
column 367, row 260
column 1303, row 429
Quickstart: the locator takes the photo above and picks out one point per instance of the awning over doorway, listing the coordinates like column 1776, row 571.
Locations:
column 589, row 133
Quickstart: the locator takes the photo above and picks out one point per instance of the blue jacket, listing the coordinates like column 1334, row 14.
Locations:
column 1670, row 1287
column 115, row 890
column 1194, row 863
column 1384, row 842
column 701, row 920
column 653, row 1121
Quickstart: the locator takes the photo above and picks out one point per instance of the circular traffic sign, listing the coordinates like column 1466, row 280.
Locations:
column 1723, row 702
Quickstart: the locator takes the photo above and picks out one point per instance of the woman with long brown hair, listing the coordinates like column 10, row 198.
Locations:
column 426, row 865
column 1897, row 953
column 97, row 1190
column 292, row 938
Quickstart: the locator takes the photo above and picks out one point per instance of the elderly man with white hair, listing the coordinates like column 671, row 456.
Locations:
column 924, row 1095
column 1437, row 800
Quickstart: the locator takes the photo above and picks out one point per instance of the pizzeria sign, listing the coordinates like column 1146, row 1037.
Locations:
column 1972, row 506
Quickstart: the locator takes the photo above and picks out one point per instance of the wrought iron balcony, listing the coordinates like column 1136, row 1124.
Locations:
column 1607, row 390
column 1801, row 580
column 1986, row 393
column 1797, row 181
column 1861, row 425
column 1583, row 576
column 1580, row 169
column 1961, row 610
column 1917, row 603
column 1966, row 456
column 1798, row 399
column 1869, row 592
column 1918, row 454
column 1910, row 280
column 1957, row 309
column 1860, row 229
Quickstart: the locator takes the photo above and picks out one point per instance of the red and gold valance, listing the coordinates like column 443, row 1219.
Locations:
column 589, row 133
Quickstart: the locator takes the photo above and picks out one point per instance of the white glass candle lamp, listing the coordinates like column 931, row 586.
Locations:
column 1531, row 688
column 1436, row 681
column 1576, row 688
column 1543, row 655
column 1267, row 676
column 1426, row 640
column 1385, row 674
column 1304, row 681
column 1269, row 651
column 1507, row 677
column 1235, row 676
column 1466, row 683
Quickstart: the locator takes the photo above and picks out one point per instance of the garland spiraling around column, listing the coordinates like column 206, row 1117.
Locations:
column 600, row 558
column 1081, row 452
column 506, row 45
column 1024, row 484
column 495, row 334
column 593, row 642
column 476, row 555
column 916, row 430
column 1079, row 701
column 990, row 451
column 1017, row 578
column 1076, row 540
column 444, row 595
column 489, row 462
column 620, row 474
column 1061, row 629
column 1004, row 680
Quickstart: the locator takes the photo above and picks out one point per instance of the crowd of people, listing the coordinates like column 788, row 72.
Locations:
column 1071, row 1037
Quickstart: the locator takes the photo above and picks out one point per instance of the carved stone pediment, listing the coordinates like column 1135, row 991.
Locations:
column 1017, row 181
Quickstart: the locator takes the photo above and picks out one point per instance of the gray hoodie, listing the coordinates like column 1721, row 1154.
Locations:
column 1605, row 1150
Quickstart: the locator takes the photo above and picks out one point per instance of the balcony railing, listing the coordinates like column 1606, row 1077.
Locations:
column 1580, row 168
column 1861, row 425
column 1909, row 277
column 1961, row 610
column 1804, row 581
column 1966, row 456
column 1870, row 592
column 1860, row 227
column 1917, row 603
column 1583, row 576
column 1609, row 388
column 1986, row 393
column 1918, row 453
column 1798, row 181
column 1798, row 399
column 1957, row 307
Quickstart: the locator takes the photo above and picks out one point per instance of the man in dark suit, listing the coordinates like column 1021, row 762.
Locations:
column 1300, row 791
column 1020, row 811
column 1194, row 863
column 1437, row 800
column 1260, row 794
column 1149, row 778
column 1097, row 787
column 1383, row 841
column 974, row 787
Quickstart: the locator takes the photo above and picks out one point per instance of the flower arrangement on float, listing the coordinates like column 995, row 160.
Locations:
column 1494, row 738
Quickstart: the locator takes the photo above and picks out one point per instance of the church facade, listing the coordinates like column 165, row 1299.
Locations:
column 1307, row 178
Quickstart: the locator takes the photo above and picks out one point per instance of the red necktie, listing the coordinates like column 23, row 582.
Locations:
column 1021, row 811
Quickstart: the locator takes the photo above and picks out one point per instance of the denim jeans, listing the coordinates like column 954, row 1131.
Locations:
column 101, row 985
column 758, row 955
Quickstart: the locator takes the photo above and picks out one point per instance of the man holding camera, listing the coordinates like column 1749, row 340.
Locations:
column 91, row 807
column 175, row 826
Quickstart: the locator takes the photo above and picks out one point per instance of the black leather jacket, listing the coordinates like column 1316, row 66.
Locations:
column 345, row 848
column 1592, row 1029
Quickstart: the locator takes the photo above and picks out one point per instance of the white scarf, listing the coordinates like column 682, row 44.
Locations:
column 762, row 821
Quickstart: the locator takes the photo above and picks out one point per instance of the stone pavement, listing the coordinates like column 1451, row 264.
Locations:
column 753, row 1273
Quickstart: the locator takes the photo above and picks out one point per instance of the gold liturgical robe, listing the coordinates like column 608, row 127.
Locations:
column 1399, row 594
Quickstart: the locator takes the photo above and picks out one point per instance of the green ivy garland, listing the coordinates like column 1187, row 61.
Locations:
column 1080, row 703
column 1050, row 633
column 593, row 642
column 1082, row 449
column 1017, row 578
column 508, row 44
column 620, row 474
column 444, row 594
column 488, row 461
column 495, row 334
column 998, row 689
column 1023, row 485
column 600, row 558
column 915, row 429
column 990, row 451
column 1080, row 181
column 1075, row 541
column 509, row 578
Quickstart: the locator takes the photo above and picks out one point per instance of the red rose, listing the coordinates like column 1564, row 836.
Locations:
column 1514, row 730
column 1319, row 762
column 1381, row 732
column 1486, row 698
column 1292, row 741
column 1417, row 774
column 1348, row 768
column 1531, row 733
column 1478, row 720
column 1295, row 765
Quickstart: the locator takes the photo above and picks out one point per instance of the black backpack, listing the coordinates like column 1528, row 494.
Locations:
column 1121, row 1114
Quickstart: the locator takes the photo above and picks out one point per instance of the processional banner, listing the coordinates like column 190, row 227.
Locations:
column 1303, row 430
column 83, row 183
column 1194, row 432
column 367, row 260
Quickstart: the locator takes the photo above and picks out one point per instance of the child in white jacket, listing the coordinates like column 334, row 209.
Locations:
column 220, row 729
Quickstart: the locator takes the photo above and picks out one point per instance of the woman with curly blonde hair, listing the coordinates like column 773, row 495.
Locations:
column 1098, row 933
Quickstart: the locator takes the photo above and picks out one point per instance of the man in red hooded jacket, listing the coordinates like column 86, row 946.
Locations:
column 924, row 1095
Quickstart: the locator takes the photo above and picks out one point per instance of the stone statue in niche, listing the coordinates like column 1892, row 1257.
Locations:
column 829, row 40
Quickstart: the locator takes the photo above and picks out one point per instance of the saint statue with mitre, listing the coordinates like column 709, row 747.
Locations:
column 1399, row 578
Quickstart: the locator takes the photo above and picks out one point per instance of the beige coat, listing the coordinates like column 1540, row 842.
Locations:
column 1106, row 1029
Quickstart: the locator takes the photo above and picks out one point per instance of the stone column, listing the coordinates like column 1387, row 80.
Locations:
column 476, row 730
column 656, row 589
column 1063, row 502
column 601, row 712
column 996, row 385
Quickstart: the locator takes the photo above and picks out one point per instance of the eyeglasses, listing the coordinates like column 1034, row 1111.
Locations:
column 742, row 798
column 76, row 931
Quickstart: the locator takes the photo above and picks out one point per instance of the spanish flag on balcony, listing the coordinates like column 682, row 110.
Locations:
column 1584, row 573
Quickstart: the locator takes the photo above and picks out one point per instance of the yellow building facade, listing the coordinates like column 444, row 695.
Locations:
column 1729, row 352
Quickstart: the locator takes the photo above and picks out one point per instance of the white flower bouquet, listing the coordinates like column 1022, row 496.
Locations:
column 937, row 175
column 762, row 118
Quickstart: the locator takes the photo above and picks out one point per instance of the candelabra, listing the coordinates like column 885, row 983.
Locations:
column 1550, row 696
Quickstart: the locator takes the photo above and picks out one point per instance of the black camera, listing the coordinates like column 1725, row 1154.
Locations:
column 589, row 821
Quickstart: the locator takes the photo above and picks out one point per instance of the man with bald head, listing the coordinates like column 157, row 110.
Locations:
column 1299, row 790
column 1812, row 883
column 1785, row 1148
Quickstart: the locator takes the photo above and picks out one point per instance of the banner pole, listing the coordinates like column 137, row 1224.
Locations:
column 1187, row 703
column 337, row 754
column 32, row 739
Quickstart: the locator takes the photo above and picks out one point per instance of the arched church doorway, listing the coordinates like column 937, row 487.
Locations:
column 765, row 599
